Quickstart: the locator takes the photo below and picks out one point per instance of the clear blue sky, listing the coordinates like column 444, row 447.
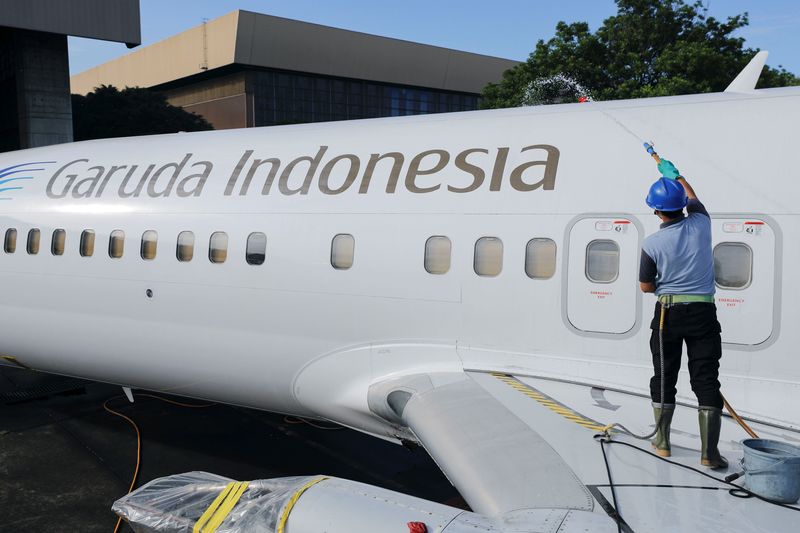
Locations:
column 503, row 28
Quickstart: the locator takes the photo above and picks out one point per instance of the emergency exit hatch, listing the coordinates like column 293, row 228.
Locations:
column 602, row 274
column 745, row 270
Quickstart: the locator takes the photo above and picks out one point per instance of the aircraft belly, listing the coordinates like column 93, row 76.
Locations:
column 177, row 343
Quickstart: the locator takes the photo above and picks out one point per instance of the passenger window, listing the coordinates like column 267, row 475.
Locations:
column 87, row 243
column 59, row 239
column 34, row 237
column 218, row 247
column 256, row 249
column 733, row 265
column 342, row 251
column 10, row 242
column 116, row 244
column 488, row 256
column 437, row 254
column 540, row 258
column 602, row 261
column 149, row 245
column 185, row 250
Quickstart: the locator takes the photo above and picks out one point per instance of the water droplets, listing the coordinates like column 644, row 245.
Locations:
column 558, row 89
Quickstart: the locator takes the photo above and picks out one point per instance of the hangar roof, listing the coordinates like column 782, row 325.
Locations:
column 109, row 20
column 252, row 39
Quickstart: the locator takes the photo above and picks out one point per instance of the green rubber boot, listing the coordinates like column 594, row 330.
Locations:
column 710, row 419
column 661, row 441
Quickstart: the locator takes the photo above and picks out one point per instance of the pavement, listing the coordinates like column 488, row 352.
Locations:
column 64, row 460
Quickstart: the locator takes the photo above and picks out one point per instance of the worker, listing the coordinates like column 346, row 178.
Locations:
column 678, row 266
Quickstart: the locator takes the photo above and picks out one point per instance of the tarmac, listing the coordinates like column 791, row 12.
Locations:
column 64, row 460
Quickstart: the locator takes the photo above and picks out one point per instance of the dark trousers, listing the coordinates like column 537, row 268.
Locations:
column 695, row 324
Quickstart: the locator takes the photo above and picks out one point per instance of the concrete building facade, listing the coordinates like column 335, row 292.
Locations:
column 246, row 69
column 34, row 65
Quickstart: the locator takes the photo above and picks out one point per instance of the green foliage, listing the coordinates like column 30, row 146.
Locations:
column 108, row 112
column 649, row 48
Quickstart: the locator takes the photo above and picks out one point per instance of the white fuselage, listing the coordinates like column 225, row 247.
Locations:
column 296, row 335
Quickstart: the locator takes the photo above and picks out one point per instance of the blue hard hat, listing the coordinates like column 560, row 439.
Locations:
column 667, row 195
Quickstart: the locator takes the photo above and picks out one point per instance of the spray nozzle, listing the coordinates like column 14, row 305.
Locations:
column 734, row 477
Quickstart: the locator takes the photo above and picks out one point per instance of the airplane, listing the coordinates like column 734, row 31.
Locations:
column 467, row 282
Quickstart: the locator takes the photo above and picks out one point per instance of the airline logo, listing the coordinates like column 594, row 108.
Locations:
column 523, row 169
column 14, row 178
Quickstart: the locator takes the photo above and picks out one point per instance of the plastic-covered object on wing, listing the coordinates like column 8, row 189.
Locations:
column 173, row 504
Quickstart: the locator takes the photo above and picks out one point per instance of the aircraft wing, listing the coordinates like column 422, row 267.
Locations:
column 511, row 443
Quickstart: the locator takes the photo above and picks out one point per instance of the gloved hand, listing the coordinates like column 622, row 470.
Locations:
column 668, row 170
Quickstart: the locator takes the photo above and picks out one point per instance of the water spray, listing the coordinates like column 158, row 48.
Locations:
column 556, row 89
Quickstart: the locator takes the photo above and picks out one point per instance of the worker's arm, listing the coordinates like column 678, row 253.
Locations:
column 694, row 205
column 688, row 188
column 647, row 273
column 669, row 171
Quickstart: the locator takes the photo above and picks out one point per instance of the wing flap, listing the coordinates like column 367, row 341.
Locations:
column 496, row 461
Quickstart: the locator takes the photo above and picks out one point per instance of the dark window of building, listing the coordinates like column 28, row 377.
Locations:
column 394, row 102
column 424, row 102
column 289, row 98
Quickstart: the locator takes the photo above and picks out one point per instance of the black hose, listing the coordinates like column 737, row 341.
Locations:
column 603, row 439
column 617, row 516
column 623, row 429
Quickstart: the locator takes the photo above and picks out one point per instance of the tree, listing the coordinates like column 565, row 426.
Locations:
column 649, row 48
column 108, row 112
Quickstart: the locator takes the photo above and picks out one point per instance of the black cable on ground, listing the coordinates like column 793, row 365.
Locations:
column 736, row 490
column 618, row 517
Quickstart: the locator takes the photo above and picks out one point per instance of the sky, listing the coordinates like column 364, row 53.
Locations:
column 503, row 28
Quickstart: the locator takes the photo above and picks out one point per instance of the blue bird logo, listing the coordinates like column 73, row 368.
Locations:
column 16, row 183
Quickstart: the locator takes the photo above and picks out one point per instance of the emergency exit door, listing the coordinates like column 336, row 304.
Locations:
column 745, row 272
column 602, row 275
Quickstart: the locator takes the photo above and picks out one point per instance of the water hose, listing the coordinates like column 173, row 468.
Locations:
column 606, row 430
column 738, row 418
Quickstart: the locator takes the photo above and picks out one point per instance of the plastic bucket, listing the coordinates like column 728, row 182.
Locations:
column 772, row 469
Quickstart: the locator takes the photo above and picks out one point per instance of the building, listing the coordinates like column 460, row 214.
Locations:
column 246, row 69
column 34, row 66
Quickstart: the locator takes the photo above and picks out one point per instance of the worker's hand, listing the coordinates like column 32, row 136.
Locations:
column 668, row 170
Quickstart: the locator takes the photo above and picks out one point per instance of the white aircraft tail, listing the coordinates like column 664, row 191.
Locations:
column 745, row 81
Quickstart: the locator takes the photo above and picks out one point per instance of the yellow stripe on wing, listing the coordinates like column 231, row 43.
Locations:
column 551, row 403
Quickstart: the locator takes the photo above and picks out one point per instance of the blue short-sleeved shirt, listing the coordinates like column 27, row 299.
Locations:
column 678, row 257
